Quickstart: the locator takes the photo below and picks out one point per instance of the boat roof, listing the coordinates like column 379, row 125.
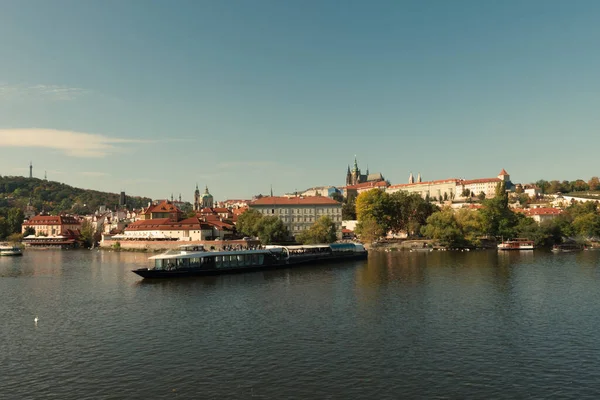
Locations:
column 196, row 254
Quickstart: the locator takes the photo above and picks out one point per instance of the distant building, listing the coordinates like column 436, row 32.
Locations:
column 327, row 191
column 300, row 213
column 485, row 185
column 543, row 214
column 52, row 225
column 354, row 176
column 355, row 190
column 453, row 188
column 202, row 201
column 52, row 231
column 122, row 199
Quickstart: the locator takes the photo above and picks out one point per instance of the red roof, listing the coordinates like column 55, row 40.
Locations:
column 284, row 201
column 162, row 207
column 503, row 172
column 543, row 211
column 482, row 180
column 52, row 220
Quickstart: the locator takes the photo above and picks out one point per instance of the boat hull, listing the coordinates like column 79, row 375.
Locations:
column 289, row 263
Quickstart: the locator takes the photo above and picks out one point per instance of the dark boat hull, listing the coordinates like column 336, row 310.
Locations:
column 292, row 262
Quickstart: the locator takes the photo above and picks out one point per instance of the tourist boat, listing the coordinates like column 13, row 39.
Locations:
column 516, row 244
column 10, row 250
column 196, row 261
column 567, row 247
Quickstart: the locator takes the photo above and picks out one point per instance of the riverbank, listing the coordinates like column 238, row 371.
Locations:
column 155, row 246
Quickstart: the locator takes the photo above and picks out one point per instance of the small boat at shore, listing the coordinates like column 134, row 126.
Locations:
column 517, row 244
column 10, row 250
column 196, row 261
column 567, row 248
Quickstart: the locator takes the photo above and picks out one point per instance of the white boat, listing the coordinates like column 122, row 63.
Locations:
column 517, row 244
column 10, row 250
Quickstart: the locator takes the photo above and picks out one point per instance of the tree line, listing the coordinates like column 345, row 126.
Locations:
column 379, row 213
column 55, row 197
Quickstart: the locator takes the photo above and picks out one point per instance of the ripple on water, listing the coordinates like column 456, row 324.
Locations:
column 402, row 325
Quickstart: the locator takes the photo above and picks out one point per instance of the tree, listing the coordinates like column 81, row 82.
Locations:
column 481, row 196
column 374, row 203
column 594, row 183
column 337, row 196
column 368, row 230
column 322, row 231
column 408, row 212
column 247, row 222
column 14, row 219
column 580, row 186
column 270, row 230
column 349, row 208
column 470, row 223
column 4, row 228
column 543, row 185
column 29, row 231
column 587, row 225
column 442, row 226
column 87, row 233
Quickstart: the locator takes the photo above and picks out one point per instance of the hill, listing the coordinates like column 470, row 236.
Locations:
column 55, row 197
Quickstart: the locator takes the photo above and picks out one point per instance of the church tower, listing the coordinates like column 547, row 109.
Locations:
column 411, row 178
column 419, row 178
column 197, row 199
column 348, row 177
column 355, row 173
column 207, row 199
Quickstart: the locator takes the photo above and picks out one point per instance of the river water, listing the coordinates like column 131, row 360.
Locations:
column 441, row 325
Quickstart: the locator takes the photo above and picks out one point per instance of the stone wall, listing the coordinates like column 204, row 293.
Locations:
column 160, row 245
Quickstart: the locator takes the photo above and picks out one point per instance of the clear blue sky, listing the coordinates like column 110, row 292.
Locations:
column 239, row 95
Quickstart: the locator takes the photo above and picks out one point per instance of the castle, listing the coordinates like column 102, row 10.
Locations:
column 354, row 177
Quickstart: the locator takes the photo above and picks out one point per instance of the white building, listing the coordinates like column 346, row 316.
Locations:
column 300, row 213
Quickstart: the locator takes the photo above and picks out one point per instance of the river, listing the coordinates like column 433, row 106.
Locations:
column 441, row 325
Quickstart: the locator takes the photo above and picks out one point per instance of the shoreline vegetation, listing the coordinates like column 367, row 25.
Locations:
column 484, row 226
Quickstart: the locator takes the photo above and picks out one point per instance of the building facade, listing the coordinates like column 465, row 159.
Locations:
column 53, row 225
column 354, row 176
column 300, row 213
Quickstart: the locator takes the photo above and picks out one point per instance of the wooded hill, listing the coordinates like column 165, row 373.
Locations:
column 55, row 197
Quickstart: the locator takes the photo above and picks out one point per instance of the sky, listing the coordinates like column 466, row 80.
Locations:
column 153, row 97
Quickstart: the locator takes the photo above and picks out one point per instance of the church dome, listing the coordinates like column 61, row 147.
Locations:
column 206, row 194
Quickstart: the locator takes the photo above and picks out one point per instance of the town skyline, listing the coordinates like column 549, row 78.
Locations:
column 241, row 97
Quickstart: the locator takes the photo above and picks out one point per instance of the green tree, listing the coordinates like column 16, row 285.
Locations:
column 29, row 231
column 270, row 230
column 87, row 233
column 470, row 223
column 322, row 231
column 248, row 221
column 349, row 208
column 369, row 230
column 443, row 227
column 4, row 228
column 543, row 185
column 587, row 225
column 375, row 204
column 14, row 219
column 337, row 196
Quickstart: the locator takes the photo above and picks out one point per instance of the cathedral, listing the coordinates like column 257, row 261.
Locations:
column 354, row 177
column 202, row 201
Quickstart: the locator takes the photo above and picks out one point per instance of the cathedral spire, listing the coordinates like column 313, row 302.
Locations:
column 419, row 178
column 411, row 178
